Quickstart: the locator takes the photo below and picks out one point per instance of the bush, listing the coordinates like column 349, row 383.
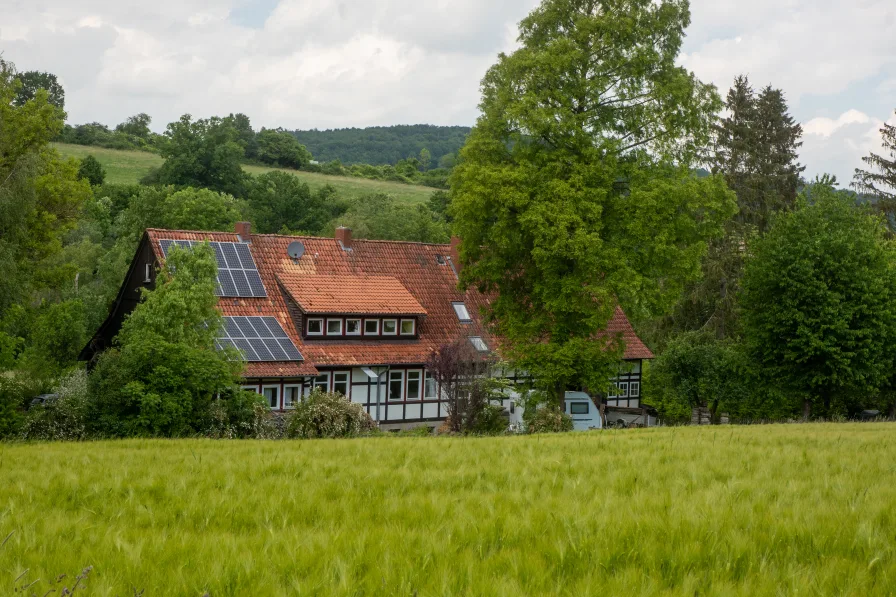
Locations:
column 64, row 418
column 490, row 420
column 328, row 415
column 13, row 394
column 240, row 414
column 549, row 419
column 92, row 170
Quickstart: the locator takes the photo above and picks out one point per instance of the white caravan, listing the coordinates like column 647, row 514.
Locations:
column 585, row 414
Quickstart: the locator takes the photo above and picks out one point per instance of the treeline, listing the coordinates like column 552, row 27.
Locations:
column 386, row 145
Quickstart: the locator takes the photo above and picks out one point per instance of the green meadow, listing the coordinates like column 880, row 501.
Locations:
column 764, row 510
column 128, row 167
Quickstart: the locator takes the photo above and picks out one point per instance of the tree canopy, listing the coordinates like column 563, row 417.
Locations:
column 879, row 181
column 203, row 153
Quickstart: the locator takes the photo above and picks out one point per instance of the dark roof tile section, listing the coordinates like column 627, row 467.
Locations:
column 350, row 295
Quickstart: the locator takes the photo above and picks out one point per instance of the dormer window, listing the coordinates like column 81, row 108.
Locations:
column 352, row 327
column 463, row 315
column 315, row 327
column 478, row 343
column 407, row 327
column 390, row 327
column 371, row 327
column 334, row 327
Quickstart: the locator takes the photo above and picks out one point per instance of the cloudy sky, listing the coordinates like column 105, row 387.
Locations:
column 339, row 63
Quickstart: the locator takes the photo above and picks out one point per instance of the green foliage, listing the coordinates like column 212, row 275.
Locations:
column 63, row 418
column 381, row 145
column 879, row 181
column 566, row 196
column 819, row 300
column 136, row 126
column 205, row 153
column 162, row 378
column 280, row 148
column 381, row 217
column 322, row 415
column 549, row 419
column 238, row 414
column 280, row 202
column 92, row 171
column 30, row 82
column 57, row 335
column 14, row 395
column 245, row 134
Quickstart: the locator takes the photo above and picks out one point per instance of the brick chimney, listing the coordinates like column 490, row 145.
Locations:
column 244, row 231
column 344, row 236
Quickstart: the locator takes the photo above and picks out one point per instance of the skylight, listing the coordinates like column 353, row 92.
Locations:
column 462, row 314
column 478, row 343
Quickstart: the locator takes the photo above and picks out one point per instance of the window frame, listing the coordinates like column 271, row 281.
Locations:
column 360, row 323
column 390, row 380
column 383, row 331
column 250, row 389
column 634, row 389
column 413, row 331
column 377, row 332
column 579, row 403
column 291, row 386
column 462, row 305
column 623, row 389
column 347, row 382
column 407, row 385
column 430, row 381
column 308, row 321
column 314, row 383
column 275, row 387
column 335, row 320
column 148, row 277
column 473, row 340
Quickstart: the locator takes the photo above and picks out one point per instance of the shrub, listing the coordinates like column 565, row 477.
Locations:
column 64, row 418
column 549, row 419
column 489, row 420
column 328, row 415
column 92, row 170
column 12, row 398
column 239, row 414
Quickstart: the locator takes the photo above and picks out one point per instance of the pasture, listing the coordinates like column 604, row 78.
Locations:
column 799, row 509
column 128, row 167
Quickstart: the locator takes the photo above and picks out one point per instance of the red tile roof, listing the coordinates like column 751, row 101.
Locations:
column 350, row 295
column 408, row 274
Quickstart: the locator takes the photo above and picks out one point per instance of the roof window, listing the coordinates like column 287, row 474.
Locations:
column 440, row 259
column 478, row 343
column 462, row 313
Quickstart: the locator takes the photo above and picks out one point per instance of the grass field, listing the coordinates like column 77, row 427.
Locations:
column 128, row 167
column 800, row 509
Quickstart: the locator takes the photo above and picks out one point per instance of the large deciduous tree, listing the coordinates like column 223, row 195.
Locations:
column 879, row 181
column 574, row 191
column 204, row 153
column 280, row 148
column 819, row 300
column 31, row 81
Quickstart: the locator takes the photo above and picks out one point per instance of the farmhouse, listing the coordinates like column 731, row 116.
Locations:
column 359, row 317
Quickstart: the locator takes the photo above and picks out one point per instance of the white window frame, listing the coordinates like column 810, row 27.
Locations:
column 458, row 305
column 286, row 388
column 313, row 383
column 400, row 380
column 430, row 381
column 634, row 389
column 279, row 397
column 383, row 331
column 334, row 320
column 360, row 328
column 623, row 389
column 377, row 332
column 613, row 392
column 308, row 331
column 348, row 382
column 407, row 385
column 473, row 340
column 413, row 323
column 148, row 274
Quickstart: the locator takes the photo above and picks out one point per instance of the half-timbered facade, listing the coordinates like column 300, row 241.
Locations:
column 357, row 317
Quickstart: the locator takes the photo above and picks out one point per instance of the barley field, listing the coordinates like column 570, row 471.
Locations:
column 128, row 167
column 764, row 510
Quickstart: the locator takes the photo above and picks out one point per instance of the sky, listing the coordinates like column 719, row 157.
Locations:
column 341, row 63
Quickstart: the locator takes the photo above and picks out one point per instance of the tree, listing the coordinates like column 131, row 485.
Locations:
column 280, row 148
column 879, row 181
column 819, row 300
column 163, row 374
column 281, row 202
column 31, row 81
column 204, row 153
column 574, row 191
column 380, row 217
column 136, row 126
column 92, row 171
column 425, row 159
column 246, row 134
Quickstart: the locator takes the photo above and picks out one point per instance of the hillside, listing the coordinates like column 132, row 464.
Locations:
column 380, row 145
column 128, row 167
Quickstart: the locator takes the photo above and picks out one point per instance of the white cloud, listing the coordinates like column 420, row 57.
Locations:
column 838, row 146
column 825, row 127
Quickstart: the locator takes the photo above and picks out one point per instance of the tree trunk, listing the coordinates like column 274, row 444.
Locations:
column 893, row 411
column 559, row 395
column 713, row 417
column 807, row 408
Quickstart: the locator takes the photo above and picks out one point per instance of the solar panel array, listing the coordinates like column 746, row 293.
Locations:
column 261, row 339
column 237, row 274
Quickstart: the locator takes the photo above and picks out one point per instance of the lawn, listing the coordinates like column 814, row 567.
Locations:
column 128, row 167
column 764, row 510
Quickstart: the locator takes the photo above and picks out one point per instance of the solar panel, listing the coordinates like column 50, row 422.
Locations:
column 261, row 339
column 237, row 274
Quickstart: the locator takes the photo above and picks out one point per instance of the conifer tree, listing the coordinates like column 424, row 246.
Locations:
column 879, row 182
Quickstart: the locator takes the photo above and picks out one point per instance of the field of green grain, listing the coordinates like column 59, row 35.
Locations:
column 764, row 510
column 128, row 167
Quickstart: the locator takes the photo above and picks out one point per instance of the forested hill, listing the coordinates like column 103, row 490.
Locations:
column 380, row 145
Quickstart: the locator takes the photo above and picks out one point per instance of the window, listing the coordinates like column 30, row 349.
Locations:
column 623, row 389
column 429, row 387
column 478, row 343
column 352, row 327
column 414, row 385
column 462, row 314
column 578, row 408
column 314, row 327
column 321, row 382
column 440, row 259
column 407, row 327
column 371, row 327
column 390, row 327
column 272, row 395
column 334, row 327
column 340, row 383
column 634, row 389
column 291, row 395
column 613, row 391
column 148, row 273
column 250, row 388
column 396, row 381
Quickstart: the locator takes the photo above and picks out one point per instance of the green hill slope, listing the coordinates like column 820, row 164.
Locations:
column 123, row 167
